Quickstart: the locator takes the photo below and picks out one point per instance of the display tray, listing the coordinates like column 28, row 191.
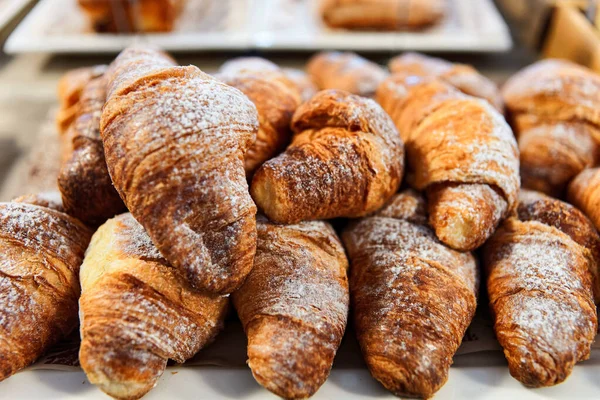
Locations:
column 9, row 9
column 58, row 26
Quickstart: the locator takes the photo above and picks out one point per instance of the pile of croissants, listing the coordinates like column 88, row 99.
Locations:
column 181, row 192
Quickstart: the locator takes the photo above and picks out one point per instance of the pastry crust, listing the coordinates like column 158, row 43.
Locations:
column 584, row 193
column 346, row 160
column 85, row 185
column 345, row 71
column 406, row 285
column 40, row 253
column 463, row 77
column 137, row 311
column 461, row 151
column 275, row 97
column 553, row 106
column 302, row 81
column 122, row 16
column 294, row 306
column 175, row 140
column 540, row 284
column 382, row 14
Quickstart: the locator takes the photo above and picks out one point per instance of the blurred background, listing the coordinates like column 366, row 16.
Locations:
column 42, row 39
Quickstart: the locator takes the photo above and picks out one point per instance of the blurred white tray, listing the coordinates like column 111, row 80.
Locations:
column 59, row 26
column 477, row 376
column 9, row 9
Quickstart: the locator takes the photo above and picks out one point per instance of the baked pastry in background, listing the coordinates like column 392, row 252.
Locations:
column 294, row 306
column 303, row 81
column 540, row 284
column 461, row 151
column 553, row 107
column 412, row 297
column 463, row 77
column 346, row 159
column 584, row 193
column 345, row 71
column 382, row 14
column 40, row 253
column 137, row 311
column 175, row 140
column 85, row 185
column 125, row 16
column 70, row 86
column 275, row 97
column 50, row 199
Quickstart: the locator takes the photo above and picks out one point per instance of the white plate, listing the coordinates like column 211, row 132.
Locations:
column 59, row 26
column 9, row 9
column 476, row 376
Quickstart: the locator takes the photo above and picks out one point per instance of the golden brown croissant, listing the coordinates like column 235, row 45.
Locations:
column 70, row 87
column 85, row 185
column 137, row 311
column 461, row 151
column 294, row 306
column 584, row 193
column 463, row 77
column 302, row 81
column 345, row 71
column 381, row 14
column 412, row 297
column 540, row 287
column 275, row 97
column 174, row 140
column 553, row 105
column 346, row 159
column 50, row 199
column 40, row 253
column 123, row 16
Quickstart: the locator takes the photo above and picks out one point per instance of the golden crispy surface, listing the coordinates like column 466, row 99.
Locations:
column 540, row 284
column 463, row 77
column 381, row 14
column 70, row 86
column 345, row 160
column 137, row 311
column 460, row 150
column 553, row 105
column 85, row 185
column 584, row 193
column 175, row 140
column 122, row 16
column 40, row 253
column 49, row 199
column 412, row 297
column 275, row 97
column 294, row 306
column 345, row 71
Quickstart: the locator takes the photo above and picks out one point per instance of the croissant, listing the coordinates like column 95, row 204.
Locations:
column 302, row 81
column 276, row 98
column 553, row 105
column 49, row 199
column 346, row 159
column 584, row 193
column 85, row 185
column 40, row 253
column 381, row 14
column 120, row 16
column 463, row 77
column 70, row 87
column 174, row 140
column 240, row 65
column 540, row 288
column 461, row 151
column 345, row 71
column 412, row 297
column 137, row 311
column 294, row 306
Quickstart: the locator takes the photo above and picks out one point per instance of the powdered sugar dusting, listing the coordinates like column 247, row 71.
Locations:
column 134, row 239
